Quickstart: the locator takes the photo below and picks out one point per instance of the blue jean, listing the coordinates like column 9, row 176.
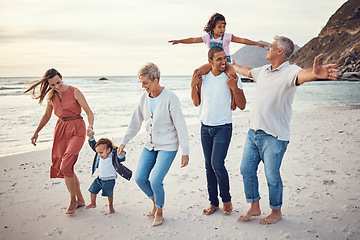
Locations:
column 215, row 142
column 159, row 162
column 260, row 146
column 107, row 187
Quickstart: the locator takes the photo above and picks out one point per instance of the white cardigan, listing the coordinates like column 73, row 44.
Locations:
column 166, row 128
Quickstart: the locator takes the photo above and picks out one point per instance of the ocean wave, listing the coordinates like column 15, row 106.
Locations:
column 16, row 93
column 9, row 88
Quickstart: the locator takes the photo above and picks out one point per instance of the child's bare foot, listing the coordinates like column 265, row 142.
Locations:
column 158, row 220
column 71, row 209
column 227, row 209
column 91, row 205
column 274, row 217
column 210, row 210
column 251, row 213
column 111, row 209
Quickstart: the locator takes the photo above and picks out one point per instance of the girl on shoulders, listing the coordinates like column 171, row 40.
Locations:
column 216, row 36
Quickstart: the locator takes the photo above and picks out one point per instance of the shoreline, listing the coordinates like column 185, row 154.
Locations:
column 239, row 114
column 320, row 171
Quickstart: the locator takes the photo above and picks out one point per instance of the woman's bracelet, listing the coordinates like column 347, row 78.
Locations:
column 91, row 127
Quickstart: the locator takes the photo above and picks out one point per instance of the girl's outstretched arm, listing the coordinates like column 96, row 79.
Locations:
column 246, row 41
column 187, row 41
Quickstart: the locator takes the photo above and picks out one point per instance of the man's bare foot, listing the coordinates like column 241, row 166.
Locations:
column 210, row 210
column 158, row 220
column 111, row 209
column 274, row 217
column 227, row 208
column 251, row 213
column 91, row 205
column 71, row 209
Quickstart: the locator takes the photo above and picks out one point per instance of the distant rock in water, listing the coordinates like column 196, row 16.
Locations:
column 245, row 79
column 253, row 56
column 338, row 42
column 103, row 78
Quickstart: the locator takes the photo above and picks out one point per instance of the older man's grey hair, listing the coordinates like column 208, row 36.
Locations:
column 286, row 44
column 150, row 70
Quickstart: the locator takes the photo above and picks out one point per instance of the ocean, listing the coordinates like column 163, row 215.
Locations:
column 114, row 100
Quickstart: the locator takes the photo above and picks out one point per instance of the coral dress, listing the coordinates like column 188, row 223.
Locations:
column 69, row 136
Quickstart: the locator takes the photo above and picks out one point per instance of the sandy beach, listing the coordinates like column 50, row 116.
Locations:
column 320, row 171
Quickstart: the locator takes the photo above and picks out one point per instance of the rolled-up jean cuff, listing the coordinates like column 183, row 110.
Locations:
column 157, row 206
column 276, row 207
column 248, row 200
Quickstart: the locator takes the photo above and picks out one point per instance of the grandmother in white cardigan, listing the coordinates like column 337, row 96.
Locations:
column 166, row 128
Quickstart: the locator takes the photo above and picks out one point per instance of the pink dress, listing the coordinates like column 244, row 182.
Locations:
column 69, row 136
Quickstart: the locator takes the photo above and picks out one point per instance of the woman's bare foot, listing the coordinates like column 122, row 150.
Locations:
column 91, row 205
column 71, row 209
column 274, row 217
column 158, row 220
column 111, row 209
column 227, row 208
column 80, row 203
column 152, row 212
column 252, row 212
column 158, row 217
column 210, row 210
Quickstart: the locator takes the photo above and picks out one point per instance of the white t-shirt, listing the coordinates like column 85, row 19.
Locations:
column 215, row 105
column 275, row 91
column 106, row 168
column 226, row 41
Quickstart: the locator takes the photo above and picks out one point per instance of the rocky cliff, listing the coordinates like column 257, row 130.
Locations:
column 338, row 42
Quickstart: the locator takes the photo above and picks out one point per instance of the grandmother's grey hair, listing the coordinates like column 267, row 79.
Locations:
column 286, row 44
column 150, row 70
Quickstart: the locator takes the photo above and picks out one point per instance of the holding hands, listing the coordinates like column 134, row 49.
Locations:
column 232, row 82
column 90, row 132
column 120, row 150
column 196, row 78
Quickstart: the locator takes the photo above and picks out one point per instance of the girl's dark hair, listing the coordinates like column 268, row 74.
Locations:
column 212, row 22
column 105, row 141
column 44, row 86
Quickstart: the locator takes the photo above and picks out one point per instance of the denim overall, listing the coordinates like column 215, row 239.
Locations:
column 217, row 44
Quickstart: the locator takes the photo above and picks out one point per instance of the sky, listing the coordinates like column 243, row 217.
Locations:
column 117, row 37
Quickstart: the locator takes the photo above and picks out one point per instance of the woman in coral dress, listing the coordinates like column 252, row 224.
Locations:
column 70, row 130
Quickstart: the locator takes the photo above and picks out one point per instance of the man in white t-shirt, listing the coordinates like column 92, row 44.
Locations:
column 213, row 94
column 270, row 115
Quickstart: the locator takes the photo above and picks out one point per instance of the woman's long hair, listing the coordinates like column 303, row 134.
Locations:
column 44, row 86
